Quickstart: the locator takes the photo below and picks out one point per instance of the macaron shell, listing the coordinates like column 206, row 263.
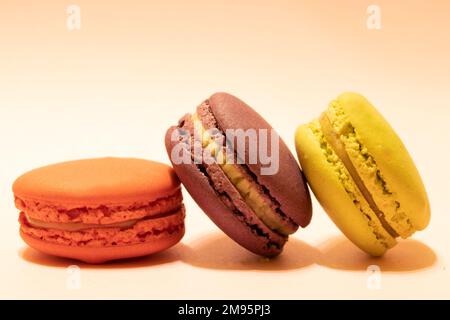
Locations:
column 333, row 197
column 90, row 182
column 103, row 254
column 67, row 209
column 392, row 158
column 199, row 187
column 288, row 185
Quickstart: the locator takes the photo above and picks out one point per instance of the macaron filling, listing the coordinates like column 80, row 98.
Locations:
column 83, row 226
column 363, row 168
column 99, row 236
column 76, row 226
column 249, row 190
column 104, row 225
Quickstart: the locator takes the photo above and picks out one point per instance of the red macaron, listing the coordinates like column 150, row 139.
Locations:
column 97, row 210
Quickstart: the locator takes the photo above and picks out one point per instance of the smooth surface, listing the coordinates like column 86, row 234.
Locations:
column 99, row 181
column 114, row 87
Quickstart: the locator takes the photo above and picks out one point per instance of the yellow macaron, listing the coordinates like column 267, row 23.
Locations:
column 362, row 174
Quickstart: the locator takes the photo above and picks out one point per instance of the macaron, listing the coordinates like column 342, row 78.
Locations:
column 96, row 210
column 362, row 174
column 239, row 171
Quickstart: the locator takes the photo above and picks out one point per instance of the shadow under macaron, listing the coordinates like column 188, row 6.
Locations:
column 170, row 255
column 217, row 251
column 407, row 256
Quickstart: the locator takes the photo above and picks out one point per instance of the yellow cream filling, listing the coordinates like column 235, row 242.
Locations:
column 245, row 188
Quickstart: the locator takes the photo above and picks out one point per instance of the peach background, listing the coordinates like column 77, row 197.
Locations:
column 135, row 67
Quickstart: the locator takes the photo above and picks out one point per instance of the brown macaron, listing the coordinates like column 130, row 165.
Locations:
column 240, row 173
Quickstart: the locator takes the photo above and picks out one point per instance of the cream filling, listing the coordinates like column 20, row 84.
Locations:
column 78, row 226
column 339, row 148
column 248, row 192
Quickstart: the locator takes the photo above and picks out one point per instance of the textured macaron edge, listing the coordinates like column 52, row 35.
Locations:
column 288, row 186
column 277, row 220
column 104, row 213
column 143, row 230
column 97, row 255
column 368, row 171
column 397, row 186
column 337, row 193
column 251, row 234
